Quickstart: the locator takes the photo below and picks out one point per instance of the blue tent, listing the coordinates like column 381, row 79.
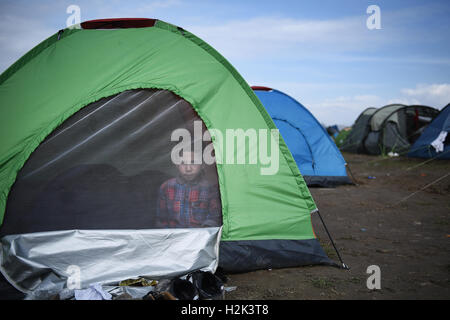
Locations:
column 422, row 148
column 318, row 159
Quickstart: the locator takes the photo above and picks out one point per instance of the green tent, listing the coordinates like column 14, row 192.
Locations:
column 86, row 122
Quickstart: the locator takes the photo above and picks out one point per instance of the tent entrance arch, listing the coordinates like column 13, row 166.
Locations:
column 104, row 166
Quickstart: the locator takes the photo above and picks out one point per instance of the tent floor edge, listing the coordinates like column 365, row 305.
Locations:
column 250, row 255
column 327, row 181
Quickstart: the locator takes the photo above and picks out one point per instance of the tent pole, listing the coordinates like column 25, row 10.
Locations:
column 343, row 265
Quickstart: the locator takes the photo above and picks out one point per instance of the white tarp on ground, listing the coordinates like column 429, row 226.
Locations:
column 49, row 261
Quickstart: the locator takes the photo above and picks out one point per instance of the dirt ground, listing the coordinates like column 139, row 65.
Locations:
column 399, row 221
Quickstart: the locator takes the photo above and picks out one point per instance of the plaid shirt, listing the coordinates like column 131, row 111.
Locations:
column 183, row 204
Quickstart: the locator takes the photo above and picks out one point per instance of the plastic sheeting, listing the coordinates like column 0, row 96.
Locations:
column 52, row 261
column 438, row 143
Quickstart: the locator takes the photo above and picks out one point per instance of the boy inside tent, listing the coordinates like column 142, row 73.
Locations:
column 188, row 200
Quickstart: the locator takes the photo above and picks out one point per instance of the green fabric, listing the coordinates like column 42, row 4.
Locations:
column 339, row 140
column 59, row 77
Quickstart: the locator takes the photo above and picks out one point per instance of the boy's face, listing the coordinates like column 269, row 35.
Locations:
column 187, row 169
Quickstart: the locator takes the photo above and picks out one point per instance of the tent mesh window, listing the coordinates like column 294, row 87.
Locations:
column 111, row 166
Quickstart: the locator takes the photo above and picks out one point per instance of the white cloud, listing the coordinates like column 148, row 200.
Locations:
column 264, row 36
column 435, row 95
column 346, row 39
column 345, row 109
column 23, row 27
column 328, row 109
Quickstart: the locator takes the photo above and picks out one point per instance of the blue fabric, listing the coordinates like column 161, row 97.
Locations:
column 313, row 150
column 422, row 148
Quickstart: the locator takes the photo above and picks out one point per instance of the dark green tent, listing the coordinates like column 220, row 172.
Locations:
column 392, row 128
column 354, row 142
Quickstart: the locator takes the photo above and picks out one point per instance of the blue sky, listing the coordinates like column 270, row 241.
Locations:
column 319, row 52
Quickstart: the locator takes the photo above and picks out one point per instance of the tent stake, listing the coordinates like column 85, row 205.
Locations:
column 343, row 265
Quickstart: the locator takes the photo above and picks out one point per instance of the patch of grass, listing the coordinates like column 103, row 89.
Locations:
column 329, row 250
column 438, row 189
column 348, row 238
column 355, row 280
column 322, row 283
column 425, row 203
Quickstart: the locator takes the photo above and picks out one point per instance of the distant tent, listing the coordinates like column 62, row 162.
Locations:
column 354, row 142
column 333, row 131
column 315, row 153
column 87, row 120
column 435, row 139
column 392, row 128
